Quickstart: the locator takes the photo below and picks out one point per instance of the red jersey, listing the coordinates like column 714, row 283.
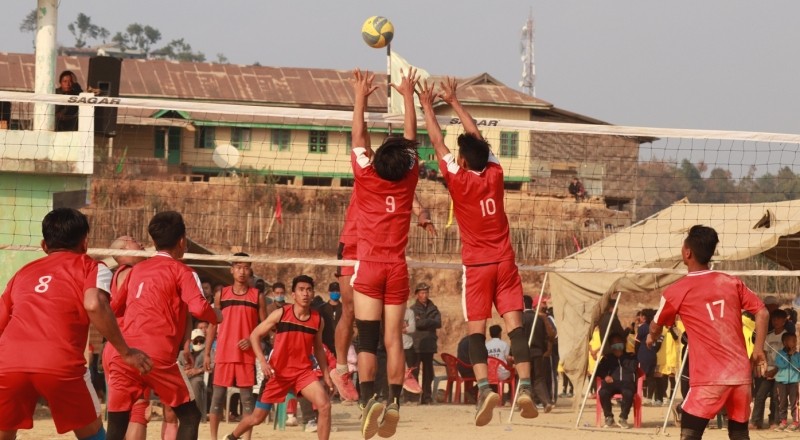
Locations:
column 119, row 297
column 478, row 204
column 43, row 323
column 710, row 305
column 384, row 210
column 350, row 229
column 159, row 291
column 294, row 343
column 239, row 318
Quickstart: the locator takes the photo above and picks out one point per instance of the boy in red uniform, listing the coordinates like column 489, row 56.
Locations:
column 299, row 334
column 235, row 364
column 475, row 182
column 45, row 313
column 385, row 181
column 710, row 305
column 159, row 291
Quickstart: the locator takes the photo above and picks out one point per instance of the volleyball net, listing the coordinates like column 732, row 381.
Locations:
column 275, row 182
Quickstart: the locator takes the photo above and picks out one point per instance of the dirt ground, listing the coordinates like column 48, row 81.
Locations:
column 452, row 421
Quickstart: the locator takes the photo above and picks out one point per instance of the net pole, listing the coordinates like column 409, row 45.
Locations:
column 389, row 82
column 530, row 340
column 596, row 364
column 675, row 391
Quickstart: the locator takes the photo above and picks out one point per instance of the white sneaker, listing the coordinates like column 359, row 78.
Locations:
column 291, row 420
column 311, row 426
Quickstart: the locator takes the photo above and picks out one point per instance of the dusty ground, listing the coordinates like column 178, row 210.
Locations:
column 450, row 421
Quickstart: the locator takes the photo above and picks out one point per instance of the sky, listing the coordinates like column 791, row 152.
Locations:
column 712, row 64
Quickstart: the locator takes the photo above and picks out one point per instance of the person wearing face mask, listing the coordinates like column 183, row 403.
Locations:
column 617, row 370
column 335, row 296
column 194, row 370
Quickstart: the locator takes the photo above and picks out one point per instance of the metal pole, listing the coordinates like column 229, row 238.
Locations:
column 600, row 353
column 530, row 340
column 675, row 389
column 389, row 82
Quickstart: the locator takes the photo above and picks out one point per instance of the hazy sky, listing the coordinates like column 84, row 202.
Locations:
column 714, row 64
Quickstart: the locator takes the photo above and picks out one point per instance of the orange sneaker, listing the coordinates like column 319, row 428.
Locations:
column 410, row 383
column 344, row 384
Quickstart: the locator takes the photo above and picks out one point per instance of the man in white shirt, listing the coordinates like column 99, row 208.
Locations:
column 498, row 348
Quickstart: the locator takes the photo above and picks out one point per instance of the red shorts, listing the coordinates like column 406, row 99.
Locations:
column 387, row 282
column 346, row 252
column 278, row 387
column 705, row 401
column 72, row 400
column 126, row 385
column 234, row 374
column 488, row 284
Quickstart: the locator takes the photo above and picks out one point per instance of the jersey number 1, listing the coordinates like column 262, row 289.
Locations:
column 721, row 304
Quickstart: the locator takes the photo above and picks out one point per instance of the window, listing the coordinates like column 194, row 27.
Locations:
column 509, row 143
column 317, row 141
column 240, row 137
column 281, row 140
column 205, row 137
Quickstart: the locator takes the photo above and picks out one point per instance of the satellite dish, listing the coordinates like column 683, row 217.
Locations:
column 226, row 156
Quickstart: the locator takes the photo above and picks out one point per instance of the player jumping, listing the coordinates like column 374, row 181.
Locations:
column 475, row 182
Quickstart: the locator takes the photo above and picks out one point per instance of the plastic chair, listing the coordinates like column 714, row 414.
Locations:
column 454, row 377
column 493, row 364
column 280, row 413
column 637, row 401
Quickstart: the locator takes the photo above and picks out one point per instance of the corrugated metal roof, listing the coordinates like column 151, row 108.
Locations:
column 232, row 83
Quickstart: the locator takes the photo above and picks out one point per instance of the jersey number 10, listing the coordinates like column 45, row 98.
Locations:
column 488, row 207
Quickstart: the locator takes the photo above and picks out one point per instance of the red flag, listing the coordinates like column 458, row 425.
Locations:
column 278, row 209
column 575, row 240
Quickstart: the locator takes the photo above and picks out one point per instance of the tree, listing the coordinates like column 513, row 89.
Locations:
column 83, row 30
column 180, row 50
column 221, row 58
column 29, row 24
column 138, row 37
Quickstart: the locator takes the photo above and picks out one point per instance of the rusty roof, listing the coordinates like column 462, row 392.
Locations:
column 232, row 83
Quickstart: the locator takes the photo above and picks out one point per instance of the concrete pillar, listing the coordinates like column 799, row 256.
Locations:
column 46, row 25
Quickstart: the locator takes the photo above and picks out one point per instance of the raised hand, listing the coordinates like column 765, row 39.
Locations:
column 427, row 94
column 362, row 83
column 408, row 83
column 449, row 86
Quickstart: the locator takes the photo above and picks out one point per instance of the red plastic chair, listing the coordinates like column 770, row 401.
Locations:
column 637, row 401
column 451, row 364
column 493, row 363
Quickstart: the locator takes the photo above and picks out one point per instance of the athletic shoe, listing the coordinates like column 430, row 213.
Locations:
column 527, row 409
column 410, row 383
column 793, row 427
column 487, row 401
column 622, row 423
column 344, row 385
column 781, row 426
column 291, row 420
column 548, row 408
column 369, row 418
column 609, row 422
column 391, row 416
column 311, row 426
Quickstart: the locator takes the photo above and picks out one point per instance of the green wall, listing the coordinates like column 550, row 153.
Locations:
column 24, row 201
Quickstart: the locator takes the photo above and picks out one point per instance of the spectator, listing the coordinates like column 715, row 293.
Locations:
column 276, row 298
column 67, row 115
column 576, row 190
column 334, row 299
column 208, row 293
column 427, row 319
column 617, row 371
column 608, row 316
column 195, row 371
column 462, row 353
column 786, row 380
column 499, row 349
column 544, row 335
column 647, row 357
column 412, row 361
column 765, row 385
column 325, row 311
column 772, row 303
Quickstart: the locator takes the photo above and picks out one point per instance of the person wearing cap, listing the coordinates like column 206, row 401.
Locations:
column 427, row 319
column 194, row 369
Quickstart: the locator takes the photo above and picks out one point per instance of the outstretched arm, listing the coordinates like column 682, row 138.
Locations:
column 406, row 89
column 362, row 88
column 449, row 96
column 423, row 216
column 426, row 97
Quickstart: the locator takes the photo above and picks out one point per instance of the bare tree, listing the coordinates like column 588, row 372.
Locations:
column 84, row 30
column 29, row 24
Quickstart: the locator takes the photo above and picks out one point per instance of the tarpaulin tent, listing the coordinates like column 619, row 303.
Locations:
column 745, row 230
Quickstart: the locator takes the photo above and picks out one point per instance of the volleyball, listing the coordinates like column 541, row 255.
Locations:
column 377, row 31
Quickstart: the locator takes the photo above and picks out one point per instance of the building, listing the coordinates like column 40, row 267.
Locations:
column 296, row 152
